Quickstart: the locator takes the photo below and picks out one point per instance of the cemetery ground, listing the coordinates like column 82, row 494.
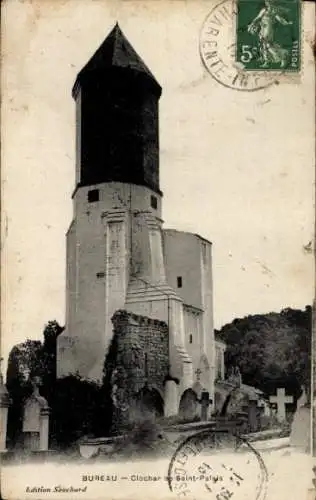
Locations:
column 140, row 459
column 289, row 475
column 53, row 445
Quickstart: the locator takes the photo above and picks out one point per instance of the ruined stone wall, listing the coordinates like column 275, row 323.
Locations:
column 141, row 359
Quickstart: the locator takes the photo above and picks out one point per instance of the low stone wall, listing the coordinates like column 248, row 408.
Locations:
column 264, row 435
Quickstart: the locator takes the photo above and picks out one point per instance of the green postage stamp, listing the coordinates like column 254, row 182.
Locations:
column 268, row 35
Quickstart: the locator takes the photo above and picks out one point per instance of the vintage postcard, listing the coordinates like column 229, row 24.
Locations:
column 158, row 277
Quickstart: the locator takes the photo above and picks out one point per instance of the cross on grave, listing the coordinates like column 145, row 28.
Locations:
column 281, row 400
column 205, row 402
column 36, row 383
column 198, row 373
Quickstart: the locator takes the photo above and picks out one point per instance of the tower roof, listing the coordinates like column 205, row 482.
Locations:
column 115, row 52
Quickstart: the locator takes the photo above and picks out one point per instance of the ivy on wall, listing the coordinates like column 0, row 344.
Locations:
column 137, row 356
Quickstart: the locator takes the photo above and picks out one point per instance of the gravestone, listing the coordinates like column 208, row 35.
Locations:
column 235, row 377
column 253, row 417
column 188, row 407
column 205, row 402
column 266, row 409
column 218, row 403
column 4, row 406
column 171, row 396
column 301, row 425
column 36, row 421
column 281, row 400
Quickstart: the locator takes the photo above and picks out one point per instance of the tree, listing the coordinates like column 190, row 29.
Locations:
column 27, row 360
column 272, row 350
column 24, row 360
column 49, row 357
column 23, row 365
column 75, row 410
column 77, row 406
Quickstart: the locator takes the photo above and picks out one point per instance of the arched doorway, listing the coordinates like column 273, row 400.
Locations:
column 149, row 403
column 188, row 408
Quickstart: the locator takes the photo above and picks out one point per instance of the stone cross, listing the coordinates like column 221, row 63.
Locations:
column 205, row 403
column 36, row 382
column 198, row 373
column 281, row 400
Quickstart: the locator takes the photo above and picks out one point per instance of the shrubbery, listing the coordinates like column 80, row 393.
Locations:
column 272, row 350
column 77, row 410
column 144, row 438
column 78, row 406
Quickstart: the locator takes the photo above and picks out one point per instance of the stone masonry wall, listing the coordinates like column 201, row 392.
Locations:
column 141, row 359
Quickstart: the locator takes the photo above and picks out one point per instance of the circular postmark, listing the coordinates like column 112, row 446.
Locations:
column 220, row 464
column 218, row 49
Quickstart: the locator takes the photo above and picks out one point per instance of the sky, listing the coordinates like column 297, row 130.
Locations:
column 235, row 167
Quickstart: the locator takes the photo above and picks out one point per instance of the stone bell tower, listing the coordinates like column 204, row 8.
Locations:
column 114, row 242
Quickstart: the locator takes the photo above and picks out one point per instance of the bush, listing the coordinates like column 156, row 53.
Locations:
column 267, row 423
column 76, row 411
column 145, row 438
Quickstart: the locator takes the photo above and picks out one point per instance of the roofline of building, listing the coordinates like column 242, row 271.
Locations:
column 81, row 184
column 188, row 232
column 97, row 63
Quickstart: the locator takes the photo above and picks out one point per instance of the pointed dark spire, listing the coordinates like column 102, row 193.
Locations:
column 115, row 52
